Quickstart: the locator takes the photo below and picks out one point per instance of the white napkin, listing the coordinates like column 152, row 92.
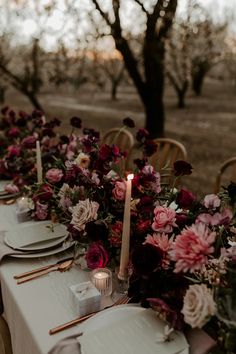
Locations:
column 134, row 335
column 29, row 234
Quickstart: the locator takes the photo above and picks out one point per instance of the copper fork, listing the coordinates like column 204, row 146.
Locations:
column 61, row 267
column 121, row 301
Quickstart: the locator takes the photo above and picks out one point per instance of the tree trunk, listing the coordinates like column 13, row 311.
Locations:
column 199, row 72
column 155, row 116
column 154, row 53
column 2, row 94
column 114, row 87
column 34, row 100
column 197, row 84
column 181, row 95
column 181, row 101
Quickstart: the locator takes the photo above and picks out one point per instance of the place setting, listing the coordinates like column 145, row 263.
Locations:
column 8, row 192
column 34, row 239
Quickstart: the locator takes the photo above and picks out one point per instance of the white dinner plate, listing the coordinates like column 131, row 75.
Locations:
column 65, row 246
column 34, row 236
column 110, row 316
column 39, row 245
column 9, row 195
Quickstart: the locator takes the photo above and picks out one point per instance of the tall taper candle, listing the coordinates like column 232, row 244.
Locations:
column 39, row 163
column 124, row 255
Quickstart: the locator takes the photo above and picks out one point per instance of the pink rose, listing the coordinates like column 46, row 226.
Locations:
column 119, row 190
column 96, row 256
column 211, row 201
column 11, row 188
column 54, row 175
column 164, row 219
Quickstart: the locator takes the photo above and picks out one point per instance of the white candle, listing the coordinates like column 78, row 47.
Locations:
column 101, row 280
column 124, row 255
column 39, row 163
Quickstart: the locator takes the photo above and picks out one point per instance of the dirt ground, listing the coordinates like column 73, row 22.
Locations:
column 207, row 126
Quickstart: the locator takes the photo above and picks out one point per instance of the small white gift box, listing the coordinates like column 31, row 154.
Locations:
column 86, row 298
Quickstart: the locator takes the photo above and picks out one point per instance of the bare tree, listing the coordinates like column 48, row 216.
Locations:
column 178, row 59
column 230, row 60
column 27, row 78
column 67, row 66
column 150, row 86
column 114, row 70
column 207, row 38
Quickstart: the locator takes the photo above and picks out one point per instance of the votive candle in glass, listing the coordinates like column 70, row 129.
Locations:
column 102, row 280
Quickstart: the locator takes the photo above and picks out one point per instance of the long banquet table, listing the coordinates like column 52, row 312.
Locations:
column 32, row 308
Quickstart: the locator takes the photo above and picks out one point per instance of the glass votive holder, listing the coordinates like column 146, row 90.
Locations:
column 102, row 280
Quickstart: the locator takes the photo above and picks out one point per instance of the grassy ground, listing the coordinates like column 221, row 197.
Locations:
column 207, row 126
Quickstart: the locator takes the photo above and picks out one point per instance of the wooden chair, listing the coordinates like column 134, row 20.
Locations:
column 168, row 151
column 122, row 138
column 226, row 173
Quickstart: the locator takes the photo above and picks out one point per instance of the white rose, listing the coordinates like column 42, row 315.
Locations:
column 82, row 160
column 198, row 305
column 83, row 212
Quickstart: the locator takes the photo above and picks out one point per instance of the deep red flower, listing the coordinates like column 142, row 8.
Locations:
column 37, row 113
column 128, row 122
column 142, row 134
column 146, row 258
column 76, row 122
column 105, row 152
column 4, row 110
column 143, row 225
column 185, row 198
column 13, row 132
column 150, row 147
column 96, row 256
column 29, row 142
column 44, row 193
column 182, row 168
column 181, row 219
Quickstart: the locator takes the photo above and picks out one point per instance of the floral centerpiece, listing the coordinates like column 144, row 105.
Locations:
column 180, row 247
column 18, row 135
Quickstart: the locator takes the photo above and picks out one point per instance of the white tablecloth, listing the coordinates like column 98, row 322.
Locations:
column 32, row 308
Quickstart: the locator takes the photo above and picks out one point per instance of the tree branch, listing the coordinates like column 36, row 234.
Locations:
column 168, row 17
column 102, row 13
column 15, row 79
column 153, row 17
column 142, row 6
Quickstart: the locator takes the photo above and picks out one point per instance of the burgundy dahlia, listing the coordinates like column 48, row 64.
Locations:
column 182, row 168
column 128, row 122
column 76, row 122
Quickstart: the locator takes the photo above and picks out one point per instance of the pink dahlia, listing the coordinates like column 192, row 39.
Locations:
column 192, row 248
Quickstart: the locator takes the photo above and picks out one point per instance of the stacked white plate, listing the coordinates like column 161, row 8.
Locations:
column 37, row 239
column 4, row 194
